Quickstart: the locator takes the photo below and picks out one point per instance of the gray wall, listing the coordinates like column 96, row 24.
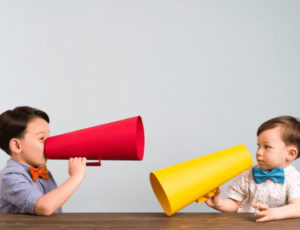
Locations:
column 202, row 74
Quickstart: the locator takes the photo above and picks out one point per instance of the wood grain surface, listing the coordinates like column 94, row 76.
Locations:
column 205, row 221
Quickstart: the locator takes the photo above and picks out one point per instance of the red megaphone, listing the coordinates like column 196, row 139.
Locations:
column 119, row 140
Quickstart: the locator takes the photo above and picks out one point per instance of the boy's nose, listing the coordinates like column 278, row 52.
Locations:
column 258, row 152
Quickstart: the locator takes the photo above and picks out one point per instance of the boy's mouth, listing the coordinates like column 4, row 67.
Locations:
column 260, row 161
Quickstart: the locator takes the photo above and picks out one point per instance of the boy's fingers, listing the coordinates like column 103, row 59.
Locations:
column 263, row 206
column 78, row 159
column 209, row 202
column 260, row 213
column 216, row 199
column 262, row 219
column 256, row 205
column 218, row 192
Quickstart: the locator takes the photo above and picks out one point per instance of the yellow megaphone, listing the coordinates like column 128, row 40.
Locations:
column 177, row 186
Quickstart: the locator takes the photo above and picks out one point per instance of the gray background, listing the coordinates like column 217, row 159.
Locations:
column 203, row 75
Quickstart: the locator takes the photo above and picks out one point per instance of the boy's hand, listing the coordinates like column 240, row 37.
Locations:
column 77, row 167
column 214, row 201
column 265, row 211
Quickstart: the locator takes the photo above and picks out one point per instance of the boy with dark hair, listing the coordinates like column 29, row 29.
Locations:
column 271, row 188
column 26, row 186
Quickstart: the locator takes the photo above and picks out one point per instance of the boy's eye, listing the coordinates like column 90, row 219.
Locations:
column 266, row 146
column 41, row 138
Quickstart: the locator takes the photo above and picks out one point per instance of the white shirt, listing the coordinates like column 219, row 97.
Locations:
column 268, row 192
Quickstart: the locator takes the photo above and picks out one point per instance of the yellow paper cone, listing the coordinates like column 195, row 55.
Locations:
column 177, row 186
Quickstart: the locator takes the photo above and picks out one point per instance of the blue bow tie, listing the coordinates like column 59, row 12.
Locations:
column 276, row 175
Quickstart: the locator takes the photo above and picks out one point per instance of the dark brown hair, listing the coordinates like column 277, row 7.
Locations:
column 13, row 124
column 291, row 130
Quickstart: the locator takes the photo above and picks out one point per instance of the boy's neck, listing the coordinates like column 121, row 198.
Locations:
column 14, row 158
column 287, row 164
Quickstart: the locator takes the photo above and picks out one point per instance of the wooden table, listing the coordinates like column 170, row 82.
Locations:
column 228, row 221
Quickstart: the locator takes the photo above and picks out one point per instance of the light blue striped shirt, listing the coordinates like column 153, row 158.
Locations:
column 18, row 192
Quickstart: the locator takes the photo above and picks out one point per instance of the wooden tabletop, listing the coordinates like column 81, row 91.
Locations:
column 151, row 221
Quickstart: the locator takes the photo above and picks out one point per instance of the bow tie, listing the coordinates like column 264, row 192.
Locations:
column 42, row 172
column 276, row 175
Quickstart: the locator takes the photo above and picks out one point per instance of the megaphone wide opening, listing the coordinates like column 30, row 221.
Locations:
column 140, row 138
column 160, row 194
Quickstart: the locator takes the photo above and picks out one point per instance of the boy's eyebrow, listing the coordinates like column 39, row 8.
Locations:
column 266, row 142
column 40, row 132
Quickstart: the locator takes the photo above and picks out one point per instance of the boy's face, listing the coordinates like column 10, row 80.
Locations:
column 32, row 145
column 272, row 152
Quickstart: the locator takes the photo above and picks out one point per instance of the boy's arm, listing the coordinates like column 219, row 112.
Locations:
column 237, row 192
column 50, row 202
column 292, row 210
column 223, row 205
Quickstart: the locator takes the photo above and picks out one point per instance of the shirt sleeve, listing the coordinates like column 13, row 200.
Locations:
column 238, row 189
column 17, row 190
column 293, row 188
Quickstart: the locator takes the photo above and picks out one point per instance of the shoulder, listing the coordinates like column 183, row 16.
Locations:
column 292, row 173
column 13, row 172
column 12, row 167
column 244, row 176
column 247, row 172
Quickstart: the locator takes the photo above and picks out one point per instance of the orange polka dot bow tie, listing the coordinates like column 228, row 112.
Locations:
column 42, row 172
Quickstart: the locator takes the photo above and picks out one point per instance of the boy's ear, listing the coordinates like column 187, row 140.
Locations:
column 292, row 153
column 15, row 145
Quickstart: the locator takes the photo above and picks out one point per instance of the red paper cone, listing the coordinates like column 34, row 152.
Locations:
column 119, row 140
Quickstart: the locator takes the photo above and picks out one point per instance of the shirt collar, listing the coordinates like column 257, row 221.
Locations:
column 25, row 167
column 285, row 169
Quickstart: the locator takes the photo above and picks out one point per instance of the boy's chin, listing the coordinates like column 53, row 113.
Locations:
column 41, row 163
column 263, row 166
